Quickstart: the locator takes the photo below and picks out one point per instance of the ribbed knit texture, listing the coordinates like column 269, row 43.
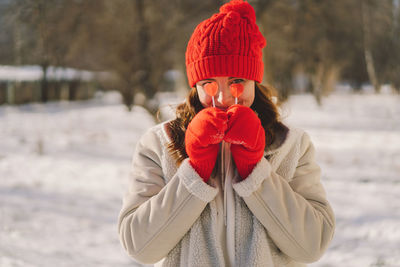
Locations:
column 227, row 44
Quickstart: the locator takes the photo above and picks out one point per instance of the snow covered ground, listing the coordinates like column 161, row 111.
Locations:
column 64, row 168
column 357, row 138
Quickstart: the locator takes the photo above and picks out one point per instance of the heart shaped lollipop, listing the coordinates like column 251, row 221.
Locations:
column 211, row 89
column 236, row 90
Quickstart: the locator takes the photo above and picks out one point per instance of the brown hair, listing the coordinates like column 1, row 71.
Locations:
column 266, row 109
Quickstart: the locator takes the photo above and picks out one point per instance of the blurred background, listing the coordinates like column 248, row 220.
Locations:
column 69, row 49
column 82, row 80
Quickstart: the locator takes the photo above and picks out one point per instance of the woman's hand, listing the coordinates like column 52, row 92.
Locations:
column 203, row 135
column 247, row 138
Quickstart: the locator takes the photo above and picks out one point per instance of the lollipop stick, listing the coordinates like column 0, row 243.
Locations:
column 236, row 91
column 211, row 90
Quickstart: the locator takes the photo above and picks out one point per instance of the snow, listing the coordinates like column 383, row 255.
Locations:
column 64, row 169
column 357, row 138
column 35, row 73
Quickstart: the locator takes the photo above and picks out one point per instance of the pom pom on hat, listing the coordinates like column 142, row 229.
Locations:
column 227, row 44
column 243, row 8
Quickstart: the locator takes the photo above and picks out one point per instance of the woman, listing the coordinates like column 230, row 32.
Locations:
column 192, row 204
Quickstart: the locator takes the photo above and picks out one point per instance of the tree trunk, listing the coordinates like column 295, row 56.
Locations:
column 285, row 88
column 317, row 81
column 369, row 60
column 44, row 85
column 144, row 78
column 330, row 79
column 143, row 45
column 128, row 97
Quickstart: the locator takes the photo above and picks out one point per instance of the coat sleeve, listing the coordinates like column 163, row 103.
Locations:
column 295, row 214
column 156, row 215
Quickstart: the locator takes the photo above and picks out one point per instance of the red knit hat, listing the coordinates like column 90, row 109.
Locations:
column 227, row 44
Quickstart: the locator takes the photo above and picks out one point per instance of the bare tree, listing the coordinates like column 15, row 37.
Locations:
column 369, row 59
column 37, row 36
column 139, row 41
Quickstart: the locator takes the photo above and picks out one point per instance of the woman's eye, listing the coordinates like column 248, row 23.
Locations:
column 237, row 81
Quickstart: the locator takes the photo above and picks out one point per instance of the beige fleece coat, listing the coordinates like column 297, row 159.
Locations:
column 281, row 216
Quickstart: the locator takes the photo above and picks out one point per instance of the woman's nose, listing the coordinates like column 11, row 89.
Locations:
column 224, row 96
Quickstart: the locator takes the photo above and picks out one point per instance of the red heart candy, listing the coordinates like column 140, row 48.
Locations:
column 236, row 89
column 211, row 88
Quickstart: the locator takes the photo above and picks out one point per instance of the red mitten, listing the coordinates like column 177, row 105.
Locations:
column 203, row 135
column 247, row 138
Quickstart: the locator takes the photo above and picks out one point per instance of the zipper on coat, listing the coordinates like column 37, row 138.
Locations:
column 223, row 180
